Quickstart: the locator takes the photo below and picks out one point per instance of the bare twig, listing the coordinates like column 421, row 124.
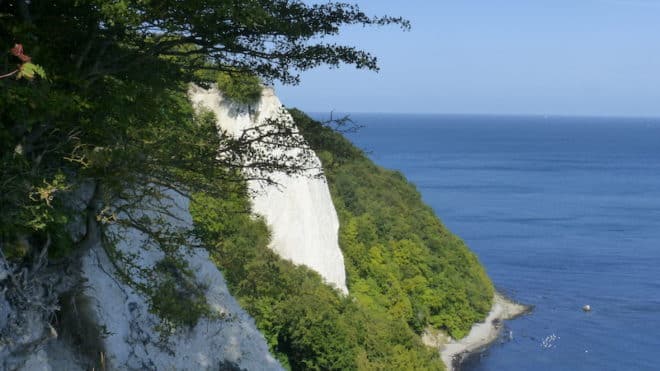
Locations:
column 9, row 74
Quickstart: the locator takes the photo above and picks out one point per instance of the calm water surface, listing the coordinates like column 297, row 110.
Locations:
column 561, row 211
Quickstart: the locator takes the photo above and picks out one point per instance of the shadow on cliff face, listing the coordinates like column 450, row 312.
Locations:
column 77, row 328
column 229, row 366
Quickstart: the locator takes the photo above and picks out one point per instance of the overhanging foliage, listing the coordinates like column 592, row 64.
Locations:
column 113, row 110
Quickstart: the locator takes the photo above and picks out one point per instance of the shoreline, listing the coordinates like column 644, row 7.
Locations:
column 482, row 334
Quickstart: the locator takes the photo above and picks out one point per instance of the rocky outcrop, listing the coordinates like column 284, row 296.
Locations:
column 131, row 339
column 453, row 352
column 105, row 321
column 30, row 300
column 299, row 208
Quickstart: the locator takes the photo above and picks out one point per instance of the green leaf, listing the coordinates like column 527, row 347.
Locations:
column 28, row 70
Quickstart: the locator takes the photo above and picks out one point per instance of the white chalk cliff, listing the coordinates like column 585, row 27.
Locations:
column 113, row 319
column 132, row 341
column 299, row 210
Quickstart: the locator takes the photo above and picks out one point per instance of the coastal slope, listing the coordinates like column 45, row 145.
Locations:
column 482, row 334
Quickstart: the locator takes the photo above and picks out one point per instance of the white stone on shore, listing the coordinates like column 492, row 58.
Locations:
column 482, row 333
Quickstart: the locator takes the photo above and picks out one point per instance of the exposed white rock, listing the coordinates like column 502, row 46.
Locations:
column 453, row 352
column 300, row 211
column 37, row 362
column 132, row 342
column 26, row 342
column 27, row 299
column 113, row 319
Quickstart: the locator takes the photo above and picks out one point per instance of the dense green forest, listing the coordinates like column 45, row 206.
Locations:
column 405, row 270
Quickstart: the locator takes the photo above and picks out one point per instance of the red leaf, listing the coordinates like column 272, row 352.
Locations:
column 17, row 51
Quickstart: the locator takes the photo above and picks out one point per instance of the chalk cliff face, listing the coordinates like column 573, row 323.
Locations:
column 132, row 341
column 112, row 318
column 299, row 209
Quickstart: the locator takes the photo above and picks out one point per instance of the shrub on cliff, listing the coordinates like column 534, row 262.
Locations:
column 239, row 87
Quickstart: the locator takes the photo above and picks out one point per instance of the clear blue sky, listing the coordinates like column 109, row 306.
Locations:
column 568, row 57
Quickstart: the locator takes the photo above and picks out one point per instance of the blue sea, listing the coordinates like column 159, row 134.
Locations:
column 561, row 211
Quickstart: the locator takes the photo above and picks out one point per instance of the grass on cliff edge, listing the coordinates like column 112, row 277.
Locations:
column 405, row 270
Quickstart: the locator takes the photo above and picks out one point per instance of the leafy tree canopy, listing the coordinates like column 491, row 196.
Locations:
column 274, row 39
column 239, row 87
column 97, row 93
column 113, row 106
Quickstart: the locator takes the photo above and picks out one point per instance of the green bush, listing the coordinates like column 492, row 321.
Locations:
column 176, row 298
column 240, row 87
